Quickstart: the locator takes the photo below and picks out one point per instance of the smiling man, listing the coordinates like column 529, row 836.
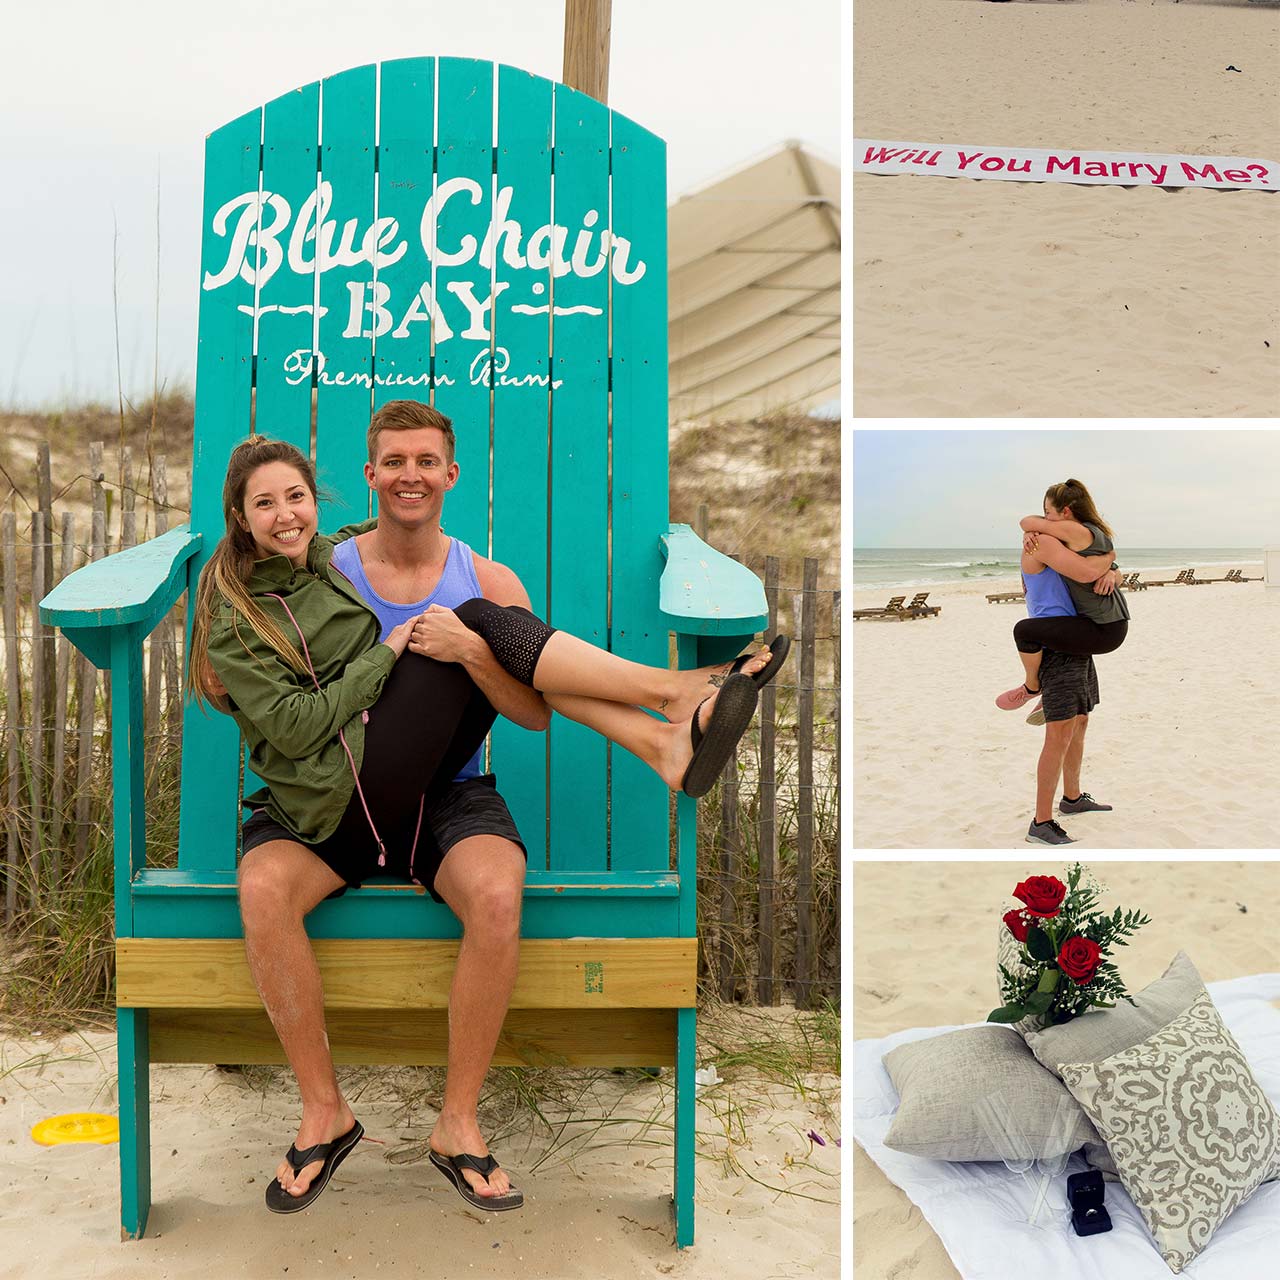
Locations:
column 406, row 566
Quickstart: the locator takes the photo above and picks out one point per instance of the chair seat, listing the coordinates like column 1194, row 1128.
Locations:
column 190, row 904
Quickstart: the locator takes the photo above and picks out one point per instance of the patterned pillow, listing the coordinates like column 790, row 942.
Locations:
column 1190, row 1129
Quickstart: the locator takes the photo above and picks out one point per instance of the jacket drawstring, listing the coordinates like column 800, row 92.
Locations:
column 364, row 715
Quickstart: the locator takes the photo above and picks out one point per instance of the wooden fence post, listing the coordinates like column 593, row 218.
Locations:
column 44, row 502
column 87, row 710
column 128, row 500
column 766, row 982
column 13, row 711
column 35, row 754
column 63, row 684
column 805, row 951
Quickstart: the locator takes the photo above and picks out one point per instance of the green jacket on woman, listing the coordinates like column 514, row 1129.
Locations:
column 292, row 727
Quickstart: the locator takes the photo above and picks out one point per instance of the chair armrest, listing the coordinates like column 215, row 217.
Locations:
column 134, row 588
column 705, row 594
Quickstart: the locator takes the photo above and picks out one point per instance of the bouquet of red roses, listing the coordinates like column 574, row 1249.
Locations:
column 1065, row 946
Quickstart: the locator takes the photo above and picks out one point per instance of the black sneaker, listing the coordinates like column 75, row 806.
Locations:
column 1083, row 803
column 1047, row 833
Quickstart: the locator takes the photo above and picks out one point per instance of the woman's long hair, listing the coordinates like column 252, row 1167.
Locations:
column 226, row 575
column 1071, row 493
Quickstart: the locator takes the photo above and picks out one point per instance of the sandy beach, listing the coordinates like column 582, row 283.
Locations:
column 1196, row 906
column 596, row 1204
column 1182, row 742
column 976, row 298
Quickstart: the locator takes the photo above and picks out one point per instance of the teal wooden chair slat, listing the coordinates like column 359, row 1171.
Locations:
column 487, row 240
column 579, row 502
column 520, row 464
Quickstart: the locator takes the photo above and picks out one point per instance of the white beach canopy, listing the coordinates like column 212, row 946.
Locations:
column 754, row 283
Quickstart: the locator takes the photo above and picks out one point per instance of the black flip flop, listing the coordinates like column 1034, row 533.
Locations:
column 452, row 1167
column 778, row 648
column 712, row 746
column 332, row 1153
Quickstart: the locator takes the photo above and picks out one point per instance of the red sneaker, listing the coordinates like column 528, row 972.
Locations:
column 1015, row 698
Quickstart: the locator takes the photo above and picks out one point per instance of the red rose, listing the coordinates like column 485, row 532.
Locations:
column 1019, row 923
column 1042, row 894
column 1078, row 959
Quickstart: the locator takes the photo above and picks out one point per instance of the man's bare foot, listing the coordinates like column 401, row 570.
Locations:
column 320, row 1123
column 694, row 686
column 456, row 1135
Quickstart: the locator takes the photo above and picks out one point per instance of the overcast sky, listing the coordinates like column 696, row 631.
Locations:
column 95, row 99
column 1164, row 488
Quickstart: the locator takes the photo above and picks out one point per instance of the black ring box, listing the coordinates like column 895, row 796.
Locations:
column 1084, row 1194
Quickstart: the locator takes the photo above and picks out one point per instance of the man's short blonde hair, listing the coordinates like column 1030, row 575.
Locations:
column 409, row 415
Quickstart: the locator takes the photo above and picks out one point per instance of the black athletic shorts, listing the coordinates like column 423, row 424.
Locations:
column 472, row 807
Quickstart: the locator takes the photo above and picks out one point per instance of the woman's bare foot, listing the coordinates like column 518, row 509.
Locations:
column 458, row 1135
column 319, row 1124
column 689, row 688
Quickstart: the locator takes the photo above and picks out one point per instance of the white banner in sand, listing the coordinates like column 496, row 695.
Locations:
column 1027, row 164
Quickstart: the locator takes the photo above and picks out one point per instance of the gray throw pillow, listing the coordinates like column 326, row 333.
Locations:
column 942, row 1080
column 1190, row 1129
column 1100, row 1033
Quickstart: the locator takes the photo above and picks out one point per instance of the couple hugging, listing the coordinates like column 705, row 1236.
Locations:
column 365, row 670
column 1076, row 610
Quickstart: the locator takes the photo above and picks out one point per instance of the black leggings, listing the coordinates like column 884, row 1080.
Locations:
column 1069, row 635
column 430, row 719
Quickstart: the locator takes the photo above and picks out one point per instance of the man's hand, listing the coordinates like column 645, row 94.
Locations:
column 439, row 633
column 1106, row 584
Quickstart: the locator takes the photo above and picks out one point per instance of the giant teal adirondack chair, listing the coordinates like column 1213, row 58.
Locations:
column 483, row 238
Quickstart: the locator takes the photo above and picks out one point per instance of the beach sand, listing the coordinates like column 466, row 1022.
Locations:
column 977, row 298
column 938, row 979
column 1183, row 742
column 593, row 1210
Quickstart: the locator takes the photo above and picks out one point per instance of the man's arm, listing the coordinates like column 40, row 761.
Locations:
column 1078, row 568
column 439, row 634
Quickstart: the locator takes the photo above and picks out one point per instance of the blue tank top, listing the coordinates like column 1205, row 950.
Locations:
column 1048, row 595
column 458, row 582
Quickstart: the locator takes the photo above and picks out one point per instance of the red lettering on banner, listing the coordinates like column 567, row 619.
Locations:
column 1193, row 173
column 1015, row 167
column 1237, row 175
column 966, row 161
column 1066, row 166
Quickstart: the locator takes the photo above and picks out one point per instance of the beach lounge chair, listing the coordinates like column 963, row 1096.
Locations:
column 917, row 608
column 1131, row 583
column 1168, row 582
column 892, row 609
column 1002, row 596
column 568, row 485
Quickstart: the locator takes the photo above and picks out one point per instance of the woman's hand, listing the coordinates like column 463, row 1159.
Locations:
column 398, row 639
column 1031, row 542
column 1106, row 584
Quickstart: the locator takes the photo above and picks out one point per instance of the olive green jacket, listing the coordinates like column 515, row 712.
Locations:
column 290, row 726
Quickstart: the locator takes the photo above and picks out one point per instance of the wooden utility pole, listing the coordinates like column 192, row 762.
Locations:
column 586, row 47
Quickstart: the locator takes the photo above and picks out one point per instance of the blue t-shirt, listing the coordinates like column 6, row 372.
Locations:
column 458, row 582
column 1048, row 595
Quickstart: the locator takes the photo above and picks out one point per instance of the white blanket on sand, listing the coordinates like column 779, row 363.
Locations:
column 980, row 1210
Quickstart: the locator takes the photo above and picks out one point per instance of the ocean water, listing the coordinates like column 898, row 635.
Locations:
column 938, row 566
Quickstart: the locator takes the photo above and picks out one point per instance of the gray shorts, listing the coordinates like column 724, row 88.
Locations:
column 472, row 807
column 1068, row 685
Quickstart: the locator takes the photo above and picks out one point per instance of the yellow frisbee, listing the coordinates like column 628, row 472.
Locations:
column 80, row 1126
